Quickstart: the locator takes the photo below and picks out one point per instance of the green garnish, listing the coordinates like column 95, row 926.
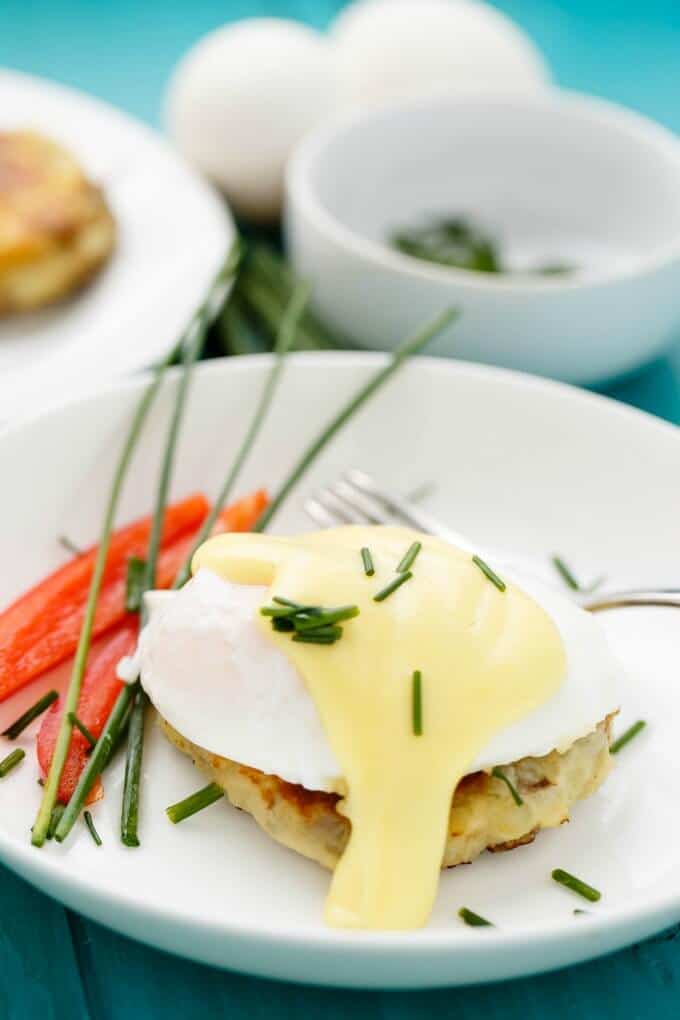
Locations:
column 576, row 885
column 57, row 812
column 409, row 556
column 568, row 577
column 310, row 624
column 499, row 774
column 417, row 703
column 626, row 737
column 392, row 586
column 135, row 584
column 20, row 724
column 190, row 345
column 455, row 242
column 367, row 560
column 491, row 574
column 578, row 911
column 11, row 761
column 474, row 920
column 405, row 350
column 75, row 721
column 129, row 819
column 196, row 802
column 93, row 832
column 69, row 546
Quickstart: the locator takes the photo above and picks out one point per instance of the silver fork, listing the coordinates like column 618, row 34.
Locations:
column 356, row 498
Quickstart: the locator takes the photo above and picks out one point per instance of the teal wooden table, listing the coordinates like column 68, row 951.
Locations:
column 55, row 965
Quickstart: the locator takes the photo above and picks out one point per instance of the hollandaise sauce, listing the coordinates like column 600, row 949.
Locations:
column 409, row 695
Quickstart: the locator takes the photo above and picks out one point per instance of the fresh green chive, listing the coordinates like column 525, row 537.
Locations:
column 93, row 832
column 576, row 885
column 11, row 761
column 417, row 703
column 283, row 624
column 488, row 572
column 392, row 586
column 409, row 556
column 133, row 771
column 499, row 774
column 135, row 584
column 568, row 577
column 367, row 560
column 410, row 347
column 578, row 912
column 71, row 547
column 57, row 812
column 75, row 721
column 287, row 332
column 472, row 919
column 20, row 724
column 318, row 638
column 626, row 737
column 196, row 802
column 325, row 618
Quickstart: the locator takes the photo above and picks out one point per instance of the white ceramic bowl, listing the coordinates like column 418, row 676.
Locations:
column 555, row 176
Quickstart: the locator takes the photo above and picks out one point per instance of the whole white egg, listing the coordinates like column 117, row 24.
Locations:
column 242, row 97
column 391, row 49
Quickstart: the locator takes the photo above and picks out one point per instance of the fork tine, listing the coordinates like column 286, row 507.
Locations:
column 319, row 514
column 343, row 512
column 365, row 508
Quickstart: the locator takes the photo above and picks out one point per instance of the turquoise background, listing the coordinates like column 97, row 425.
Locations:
column 55, row 965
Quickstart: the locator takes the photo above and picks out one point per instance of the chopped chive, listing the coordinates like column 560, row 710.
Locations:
column 417, row 703
column 75, row 721
column 578, row 911
column 474, row 920
column 129, row 820
column 568, row 577
column 325, row 618
column 66, row 543
column 409, row 556
column 57, row 812
column 20, row 724
column 283, row 624
column 488, row 572
column 11, row 761
column 289, row 602
column 135, row 583
column 413, row 345
column 499, row 774
column 576, row 885
column 392, row 586
column 317, row 638
column 90, row 824
column 626, row 737
column 194, row 803
column 367, row 560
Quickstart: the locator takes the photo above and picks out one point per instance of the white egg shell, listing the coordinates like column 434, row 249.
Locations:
column 240, row 100
column 390, row 49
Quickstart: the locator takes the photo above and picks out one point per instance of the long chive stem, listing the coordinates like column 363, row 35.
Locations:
column 101, row 753
column 626, row 737
column 57, row 812
column 75, row 721
column 91, row 826
column 409, row 556
column 576, row 885
column 568, row 577
column 514, row 792
column 488, row 572
column 134, row 584
column 417, row 703
column 194, row 803
column 20, row 724
column 11, row 761
column 406, row 350
column 367, row 560
column 286, row 335
column 326, row 617
column 129, row 823
column 472, row 919
column 392, row 586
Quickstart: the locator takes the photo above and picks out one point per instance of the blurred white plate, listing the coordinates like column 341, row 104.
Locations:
column 521, row 464
column 173, row 233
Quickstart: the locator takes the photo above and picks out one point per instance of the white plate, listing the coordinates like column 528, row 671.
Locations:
column 522, row 464
column 173, row 233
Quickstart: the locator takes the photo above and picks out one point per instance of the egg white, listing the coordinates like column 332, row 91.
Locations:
column 213, row 674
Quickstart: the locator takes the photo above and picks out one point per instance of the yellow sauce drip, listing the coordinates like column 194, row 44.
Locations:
column 487, row 658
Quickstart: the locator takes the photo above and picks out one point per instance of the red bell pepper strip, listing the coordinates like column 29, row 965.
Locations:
column 42, row 627
column 101, row 685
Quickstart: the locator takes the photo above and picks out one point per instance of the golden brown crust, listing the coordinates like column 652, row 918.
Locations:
column 483, row 813
column 56, row 229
